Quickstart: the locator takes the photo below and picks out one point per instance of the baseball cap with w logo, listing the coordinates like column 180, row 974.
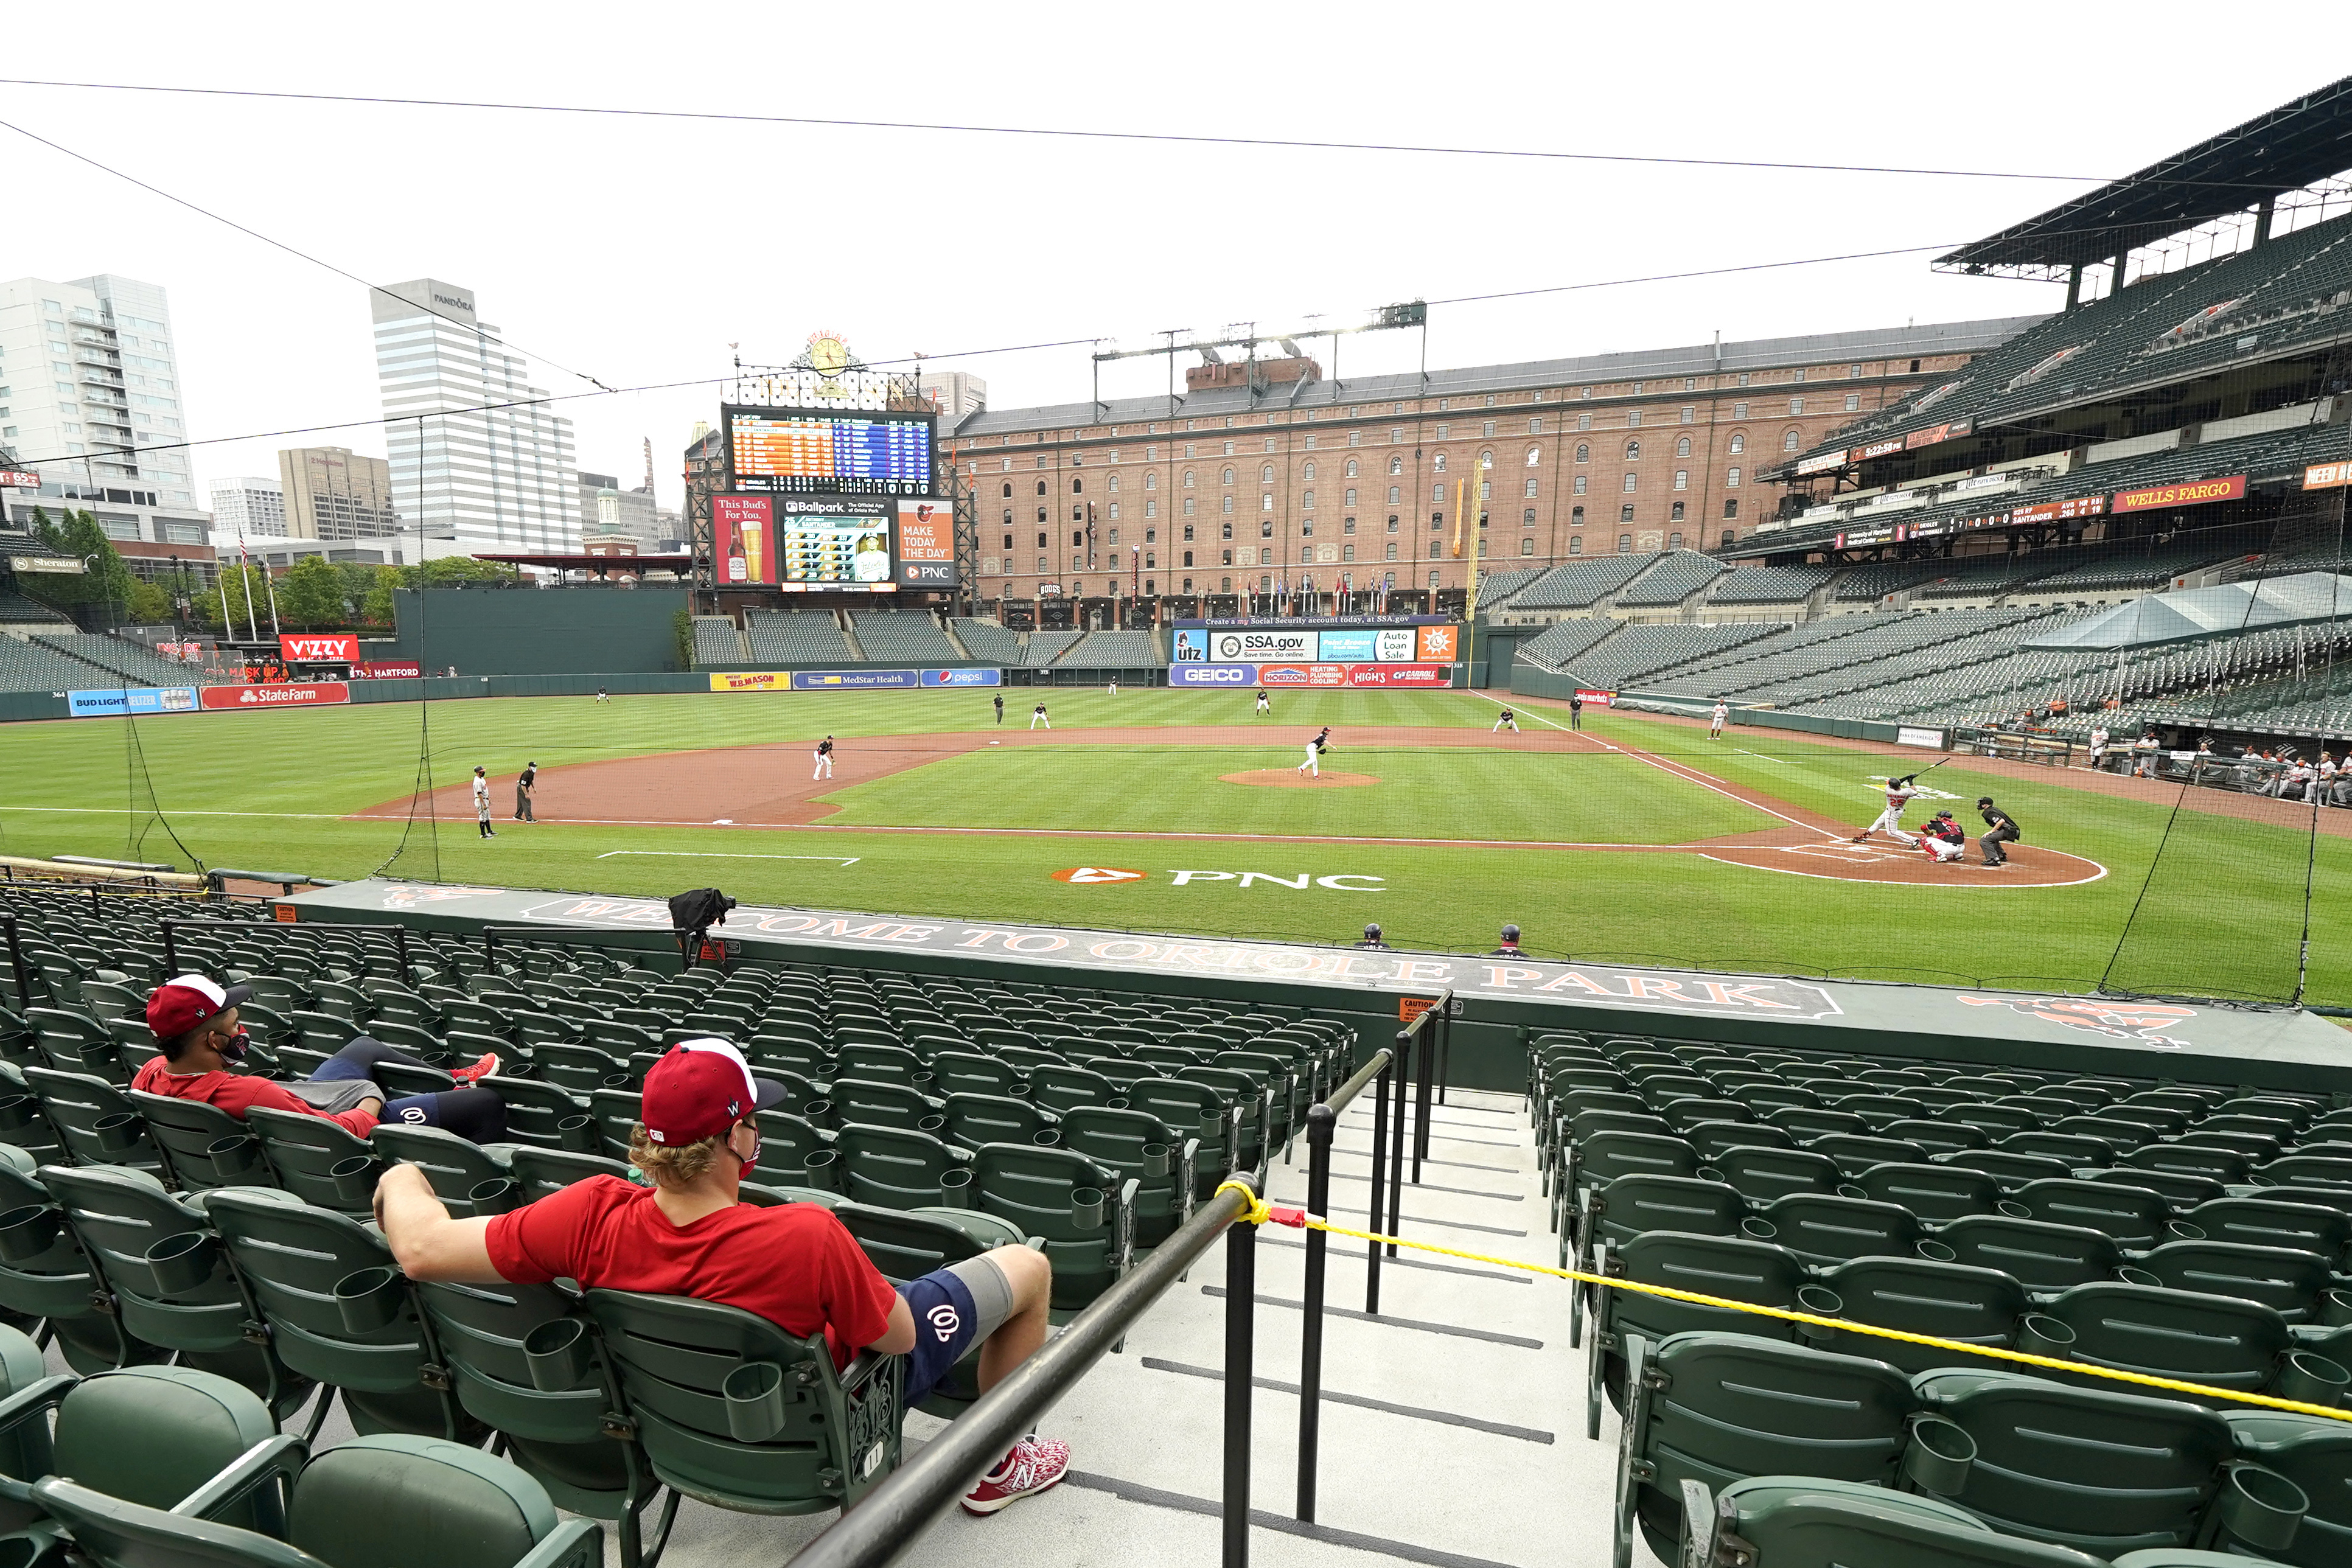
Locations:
column 700, row 1089
column 180, row 1003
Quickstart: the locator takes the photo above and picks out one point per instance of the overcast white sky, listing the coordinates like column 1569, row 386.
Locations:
column 636, row 250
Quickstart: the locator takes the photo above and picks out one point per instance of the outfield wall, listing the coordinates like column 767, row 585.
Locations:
column 540, row 631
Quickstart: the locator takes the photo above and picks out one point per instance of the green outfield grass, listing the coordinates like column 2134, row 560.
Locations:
column 2223, row 912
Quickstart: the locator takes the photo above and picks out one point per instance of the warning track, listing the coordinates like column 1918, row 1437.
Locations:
column 768, row 786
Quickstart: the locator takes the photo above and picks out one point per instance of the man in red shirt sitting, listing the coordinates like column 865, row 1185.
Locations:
column 689, row 1235
column 194, row 1023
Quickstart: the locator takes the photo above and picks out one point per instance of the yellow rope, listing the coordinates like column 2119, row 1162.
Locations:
column 1259, row 1212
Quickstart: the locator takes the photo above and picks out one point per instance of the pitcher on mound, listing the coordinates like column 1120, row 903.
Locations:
column 1313, row 766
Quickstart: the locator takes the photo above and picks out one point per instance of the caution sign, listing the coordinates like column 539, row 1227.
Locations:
column 1412, row 1008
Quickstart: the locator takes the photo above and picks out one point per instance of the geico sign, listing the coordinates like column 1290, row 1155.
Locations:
column 1211, row 675
column 1347, row 882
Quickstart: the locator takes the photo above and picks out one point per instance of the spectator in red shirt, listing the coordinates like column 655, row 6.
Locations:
column 689, row 1235
column 194, row 1023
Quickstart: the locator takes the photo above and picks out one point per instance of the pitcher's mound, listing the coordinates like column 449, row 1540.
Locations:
column 1291, row 778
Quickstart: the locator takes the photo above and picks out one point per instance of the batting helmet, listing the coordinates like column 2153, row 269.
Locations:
column 1511, row 932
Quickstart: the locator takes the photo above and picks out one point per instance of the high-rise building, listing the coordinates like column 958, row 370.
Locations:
column 479, row 461
column 334, row 493
column 609, row 511
column 248, row 508
column 955, row 393
column 92, row 393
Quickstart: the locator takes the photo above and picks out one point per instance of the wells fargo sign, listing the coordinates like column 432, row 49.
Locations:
column 2189, row 492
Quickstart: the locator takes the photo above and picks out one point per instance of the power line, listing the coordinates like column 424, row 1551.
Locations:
column 951, row 127
column 251, row 232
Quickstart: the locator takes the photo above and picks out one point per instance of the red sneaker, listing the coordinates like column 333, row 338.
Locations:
column 482, row 1068
column 1035, row 1464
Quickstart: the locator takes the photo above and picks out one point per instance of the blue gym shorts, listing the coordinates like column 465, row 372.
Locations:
column 955, row 1308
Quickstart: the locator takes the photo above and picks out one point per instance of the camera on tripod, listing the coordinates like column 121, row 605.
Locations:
column 691, row 916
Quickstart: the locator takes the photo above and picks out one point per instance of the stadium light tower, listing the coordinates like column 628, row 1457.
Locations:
column 1244, row 336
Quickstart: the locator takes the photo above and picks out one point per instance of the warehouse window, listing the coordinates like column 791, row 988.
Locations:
column 1739, row 441
column 1788, row 440
column 1731, row 480
column 1624, row 544
column 1528, row 545
column 1730, row 511
column 1575, row 544
column 1682, row 447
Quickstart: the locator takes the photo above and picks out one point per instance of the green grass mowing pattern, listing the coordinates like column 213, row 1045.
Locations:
column 1422, row 793
column 2224, row 917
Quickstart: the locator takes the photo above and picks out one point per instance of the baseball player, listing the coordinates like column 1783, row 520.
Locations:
column 1263, row 706
column 482, row 802
column 602, row 696
column 1943, row 839
column 1900, row 792
column 1112, row 690
column 1313, row 766
column 1714, row 720
column 823, row 759
column 1000, row 707
column 1575, row 711
column 1505, row 720
column 2098, row 747
column 1037, row 716
column 2001, row 828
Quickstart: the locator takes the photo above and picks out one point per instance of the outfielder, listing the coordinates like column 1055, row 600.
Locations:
column 823, row 759
column 1714, row 720
column 1037, row 716
column 1263, row 707
column 1313, row 766
column 1900, row 792
column 1505, row 720
column 1113, row 689
column 1943, row 839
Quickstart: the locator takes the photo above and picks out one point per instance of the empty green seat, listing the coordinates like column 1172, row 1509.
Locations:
column 1798, row 1522
column 318, row 1160
column 1084, row 1214
column 2316, row 1455
column 202, row 1146
column 1134, row 1145
column 145, row 1435
column 1734, row 1269
column 2039, row 1255
column 1923, row 1296
column 894, row 1167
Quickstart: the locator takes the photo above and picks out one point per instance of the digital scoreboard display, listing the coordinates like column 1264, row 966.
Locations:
column 829, row 452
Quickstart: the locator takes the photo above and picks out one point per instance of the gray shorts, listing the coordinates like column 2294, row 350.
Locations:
column 992, row 1292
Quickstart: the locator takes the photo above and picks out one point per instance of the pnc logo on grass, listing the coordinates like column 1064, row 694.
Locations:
column 1090, row 875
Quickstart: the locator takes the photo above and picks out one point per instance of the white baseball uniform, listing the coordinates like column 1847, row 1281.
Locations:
column 1313, row 766
column 1037, row 716
column 1715, row 725
column 824, row 755
column 1890, row 821
column 1942, row 850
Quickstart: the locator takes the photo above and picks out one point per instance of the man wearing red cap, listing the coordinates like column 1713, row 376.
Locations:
column 690, row 1235
column 194, row 1023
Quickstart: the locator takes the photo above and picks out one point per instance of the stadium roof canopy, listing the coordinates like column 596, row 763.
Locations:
column 2289, row 147
column 2160, row 618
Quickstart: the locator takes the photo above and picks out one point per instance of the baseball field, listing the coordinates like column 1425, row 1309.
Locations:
column 1637, row 840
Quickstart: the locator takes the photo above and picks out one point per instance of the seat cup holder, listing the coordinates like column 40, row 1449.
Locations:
column 2312, row 1378
column 495, row 1196
column 577, row 1134
column 231, row 1157
column 1048, row 1138
column 817, row 1112
column 1938, row 1456
column 1823, row 1302
column 2181, row 1230
column 2132, row 1276
column 1848, row 1189
column 955, row 1188
column 18, row 1110
column 621, row 1080
column 2013, row 1208
column 2262, row 1507
column 1156, row 1163
column 1118, row 1102
column 2336, row 1307
column 120, row 1133
column 1759, row 1229
column 27, row 1231
column 371, row 1299
column 754, row 1397
column 1936, row 1251
column 353, row 1180
column 935, row 1125
column 556, row 1356
column 2038, row 1334
column 1086, row 1207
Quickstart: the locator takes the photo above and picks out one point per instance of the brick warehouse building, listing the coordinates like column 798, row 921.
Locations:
column 1231, row 488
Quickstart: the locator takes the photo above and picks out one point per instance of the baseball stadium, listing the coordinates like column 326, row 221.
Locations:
column 1822, row 1047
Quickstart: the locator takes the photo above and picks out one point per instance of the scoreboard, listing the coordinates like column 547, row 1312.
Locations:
column 829, row 452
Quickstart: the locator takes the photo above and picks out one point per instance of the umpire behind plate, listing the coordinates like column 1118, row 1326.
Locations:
column 2001, row 828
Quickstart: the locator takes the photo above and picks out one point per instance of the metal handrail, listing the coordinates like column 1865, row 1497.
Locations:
column 16, row 960
column 886, row 1524
column 1322, row 1122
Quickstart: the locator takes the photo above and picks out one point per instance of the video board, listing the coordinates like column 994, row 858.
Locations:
column 829, row 452
column 805, row 544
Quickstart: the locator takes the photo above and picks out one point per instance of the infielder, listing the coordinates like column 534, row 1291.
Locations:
column 1900, row 792
column 1000, row 707
column 482, row 802
column 1263, row 706
column 1112, row 690
column 823, row 759
column 1313, row 766
column 1037, row 716
column 1504, row 720
column 1714, row 720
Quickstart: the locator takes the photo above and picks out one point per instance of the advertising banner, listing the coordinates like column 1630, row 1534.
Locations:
column 18, row 479
column 1917, row 735
column 312, row 648
column 1192, row 647
column 1349, row 645
column 1596, row 699
column 317, row 694
column 2326, row 475
column 752, row 681
column 850, row 680
column 963, row 677
column 388, row 669
column 2189, row 492
column 743, row 532
column 1335, row 675
column 1213, row 674
column 1875, row 449
column 1252, row 643
column 926, row 544
column 134, row 699
column 836, row 546
column 1440, row 644
column 2054, row 511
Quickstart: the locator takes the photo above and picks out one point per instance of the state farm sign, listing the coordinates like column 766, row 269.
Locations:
column 339, row 649
column 314, row 694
